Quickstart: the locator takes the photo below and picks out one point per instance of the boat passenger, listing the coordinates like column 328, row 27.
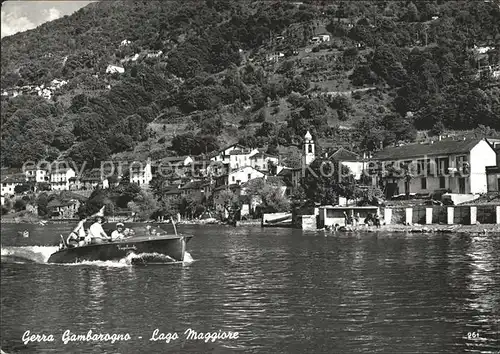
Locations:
column 118, row 234
column 96, row 232
column 126, row 232
column 77, row 236
column 357, row 218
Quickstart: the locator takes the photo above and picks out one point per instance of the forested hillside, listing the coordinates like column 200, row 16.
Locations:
column 201, row 74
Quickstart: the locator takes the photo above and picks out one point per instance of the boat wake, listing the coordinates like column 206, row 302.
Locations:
column 41, row 254
column 27, row 254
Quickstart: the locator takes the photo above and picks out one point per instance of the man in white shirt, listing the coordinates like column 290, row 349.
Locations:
column 96, row 232
column 118, row 233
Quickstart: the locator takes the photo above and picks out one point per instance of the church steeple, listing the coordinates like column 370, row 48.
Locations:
column 309, row 149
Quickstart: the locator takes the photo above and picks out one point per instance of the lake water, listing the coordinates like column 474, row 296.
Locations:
column 282, row 290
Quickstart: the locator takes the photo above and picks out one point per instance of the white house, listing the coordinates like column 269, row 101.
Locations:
column 37, row 175
column 457, row 165
column 112, row 69
column 324, row 37
column 234, row 156
column 125, row 43
column 155, row 55
column 239, row 176
column 9, row 183
column 263, row 162
column 60, row 178
column 482, row 50
column 140, row 173
column 274, row 56
column 351, row 160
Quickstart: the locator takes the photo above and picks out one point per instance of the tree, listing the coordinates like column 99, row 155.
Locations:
column 269, row 194
column 42, row 203
column 24, row 187
column 143, row 205
column 19, row 205
column 319, row 182
column 43, row 186
column 229, row 201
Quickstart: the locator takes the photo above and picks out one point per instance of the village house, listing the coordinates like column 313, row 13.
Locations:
column 60, row 178
column 239, row 176
column 37, row 175
column 324, row 37
column 92, row 179
column 234, row 157
column 455, row 165
column 274, row 56
column 154, row 55
column 140, row 173
column 263, row 162
column 113, row 69
column 63, row 209
column 195, row 188
column 130, row 58
column 9, row 183
column 198, row 168
column 172, row 167
column 350, row 159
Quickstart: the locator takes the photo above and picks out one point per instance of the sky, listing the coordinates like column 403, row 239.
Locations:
column 19, row 16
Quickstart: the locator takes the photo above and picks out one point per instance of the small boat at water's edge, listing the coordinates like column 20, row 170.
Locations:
column 173, row 247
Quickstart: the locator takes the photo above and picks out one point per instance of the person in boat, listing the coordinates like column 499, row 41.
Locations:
column 77, row 236
column 369, row 220
column 376, row 221
column 96, row 232
column 118, row 234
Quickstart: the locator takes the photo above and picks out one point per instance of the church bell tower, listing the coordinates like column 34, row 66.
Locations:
column 309, row 149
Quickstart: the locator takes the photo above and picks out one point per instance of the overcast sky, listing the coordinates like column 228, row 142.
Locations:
column 19, row 16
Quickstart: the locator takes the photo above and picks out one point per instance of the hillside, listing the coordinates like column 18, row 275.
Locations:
column 201, row 74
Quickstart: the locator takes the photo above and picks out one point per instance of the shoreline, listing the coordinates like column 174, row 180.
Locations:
column 480, row 229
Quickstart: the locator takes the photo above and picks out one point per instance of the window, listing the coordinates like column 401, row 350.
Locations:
column 233, row 179
column 249, row 176
column 442, row 182
column 461, row 163
column 423, row 183
column 309, row 149
column 443, row 164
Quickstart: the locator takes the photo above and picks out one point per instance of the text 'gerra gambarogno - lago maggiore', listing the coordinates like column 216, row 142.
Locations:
column 156, row 336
